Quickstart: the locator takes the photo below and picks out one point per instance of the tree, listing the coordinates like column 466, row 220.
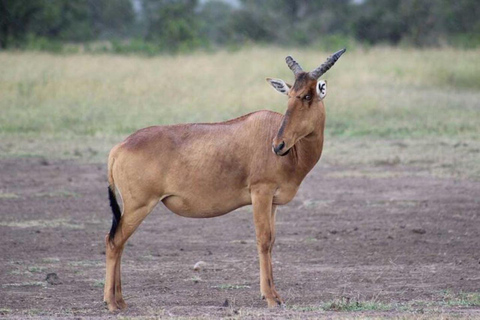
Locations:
column 173, row 24
column 379, row 21
column 293, row 21
column 216, row 21
column 73, row 20
column 15, row 18
column 112, row 18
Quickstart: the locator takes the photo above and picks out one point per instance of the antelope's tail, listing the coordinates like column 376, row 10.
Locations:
column 117, row 213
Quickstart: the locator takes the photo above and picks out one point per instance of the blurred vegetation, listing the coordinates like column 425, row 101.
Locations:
column 393, row 106
column 382, row 92
column 154, row 26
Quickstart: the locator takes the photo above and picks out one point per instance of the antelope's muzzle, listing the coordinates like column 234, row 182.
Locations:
column 280, row 149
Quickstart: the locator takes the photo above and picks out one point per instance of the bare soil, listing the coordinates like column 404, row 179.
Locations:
column 391, row 236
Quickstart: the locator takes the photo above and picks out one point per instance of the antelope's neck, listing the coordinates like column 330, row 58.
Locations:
column 309, row 150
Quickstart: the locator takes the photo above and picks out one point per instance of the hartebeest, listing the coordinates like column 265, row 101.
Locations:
column 207, row 170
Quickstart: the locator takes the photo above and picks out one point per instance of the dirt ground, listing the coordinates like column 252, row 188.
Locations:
column 392, row 239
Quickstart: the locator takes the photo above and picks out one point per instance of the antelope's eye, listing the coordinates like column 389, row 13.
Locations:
column 308, row 97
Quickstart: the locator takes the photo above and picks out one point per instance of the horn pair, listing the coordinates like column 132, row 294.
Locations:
column 295, row 67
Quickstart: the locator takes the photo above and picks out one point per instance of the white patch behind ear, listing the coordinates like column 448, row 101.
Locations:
column 279, row 85
column 322, row 89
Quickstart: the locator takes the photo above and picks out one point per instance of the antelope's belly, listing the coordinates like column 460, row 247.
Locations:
column 206, row 205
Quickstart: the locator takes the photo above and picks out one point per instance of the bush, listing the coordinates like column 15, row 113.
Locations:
column 37, row 43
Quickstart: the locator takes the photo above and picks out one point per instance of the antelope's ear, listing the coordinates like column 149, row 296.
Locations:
column 279, row 85
column 322, row 89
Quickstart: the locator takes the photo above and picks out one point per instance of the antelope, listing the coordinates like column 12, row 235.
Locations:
column 202, row 170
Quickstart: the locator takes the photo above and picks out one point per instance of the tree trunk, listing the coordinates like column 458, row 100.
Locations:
column 3, row 25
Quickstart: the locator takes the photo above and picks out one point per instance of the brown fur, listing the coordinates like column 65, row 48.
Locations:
column 207, row 170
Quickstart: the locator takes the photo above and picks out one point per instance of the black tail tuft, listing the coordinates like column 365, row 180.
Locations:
column 117, row 214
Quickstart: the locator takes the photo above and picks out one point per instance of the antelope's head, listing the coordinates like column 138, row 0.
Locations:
column 305, row 105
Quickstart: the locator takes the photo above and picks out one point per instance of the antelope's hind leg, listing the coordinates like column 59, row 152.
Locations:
column 118, row 283
column 129, row 222
column 264, row 219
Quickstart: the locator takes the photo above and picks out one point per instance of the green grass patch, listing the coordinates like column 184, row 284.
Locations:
column 195, row 279
column 85, row 263
column 8, row 195
column 55, row 194
column 229, row 286
column 36, row 269
column 99, row 283
column 447, row 301
column 5, row 311
column 301, row 308
column 20, row 272
column 36, row 312
column 51, row 260
column 346, row 304
column 462, row 299
column 55, row 223
column 25, row 284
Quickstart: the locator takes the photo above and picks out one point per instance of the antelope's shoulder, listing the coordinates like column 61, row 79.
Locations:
column 260, row 115
column 265, row 115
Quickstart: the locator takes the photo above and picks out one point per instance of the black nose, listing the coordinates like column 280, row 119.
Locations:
column 279, row 148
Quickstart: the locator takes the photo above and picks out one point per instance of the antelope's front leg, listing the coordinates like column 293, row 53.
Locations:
column 262, row 216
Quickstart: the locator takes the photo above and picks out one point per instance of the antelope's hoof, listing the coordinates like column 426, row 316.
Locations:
column 275, row 303
column 112, row 306
column 121, row 304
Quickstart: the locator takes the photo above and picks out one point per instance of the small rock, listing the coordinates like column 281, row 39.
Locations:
column 44, row 162
column 226, row 303
column 419, row 231
column 53, row 279
column 199, row 265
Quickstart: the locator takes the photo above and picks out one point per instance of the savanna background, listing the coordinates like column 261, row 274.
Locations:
column 386, row 225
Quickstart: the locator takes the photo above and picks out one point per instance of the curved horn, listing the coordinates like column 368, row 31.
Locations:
column 293, row 65
column 327, row 64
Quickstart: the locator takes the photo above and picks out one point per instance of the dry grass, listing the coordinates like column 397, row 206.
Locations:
column 382, row 92
column 78, row 106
